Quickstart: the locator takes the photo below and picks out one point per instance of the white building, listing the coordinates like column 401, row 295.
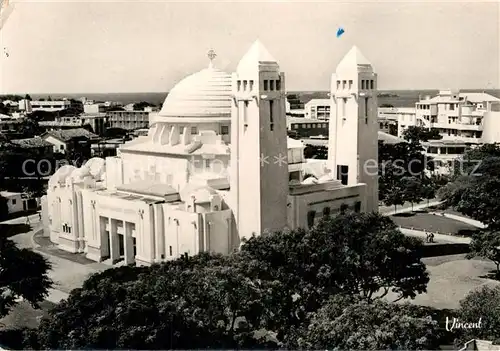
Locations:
column 318, row 109
column 18, row 202
column 48, row 106
column 217, row 167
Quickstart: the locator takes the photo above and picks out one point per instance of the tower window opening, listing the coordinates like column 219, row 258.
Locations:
column 271, row 117
column 251, row 85
column 239, row 85
column 362, row 84
column 278, row 84
column 344, row 103
column 344, row 84
column 338, row 85
column 245, row 121
column 372, row 84
column 271, row 85
column 244, row 85
column 366, row 110
column 265, row 85
column 350, row 84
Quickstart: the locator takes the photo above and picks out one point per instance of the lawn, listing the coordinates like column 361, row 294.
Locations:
column 433, row 223
column 451, row 279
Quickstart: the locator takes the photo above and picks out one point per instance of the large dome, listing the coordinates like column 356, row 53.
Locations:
column 205, row 94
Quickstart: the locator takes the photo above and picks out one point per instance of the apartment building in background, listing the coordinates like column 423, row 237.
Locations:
column 318, row 109
column 29, row 106
column 129, row 120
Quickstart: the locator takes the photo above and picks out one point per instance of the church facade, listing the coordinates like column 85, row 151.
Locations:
column 217, row 167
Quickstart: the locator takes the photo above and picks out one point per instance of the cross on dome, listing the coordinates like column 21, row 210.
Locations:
column 211, row 56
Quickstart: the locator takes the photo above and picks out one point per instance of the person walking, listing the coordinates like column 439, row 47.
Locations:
column 27, row 220
column 40, row 216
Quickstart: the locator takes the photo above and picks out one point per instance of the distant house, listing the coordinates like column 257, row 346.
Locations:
column 76, row 140
column 18, row 202
column 36, row 145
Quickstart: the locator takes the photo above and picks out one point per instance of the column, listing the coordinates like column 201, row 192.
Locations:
column 128, row 242
column 104, row 222
column 115, row 245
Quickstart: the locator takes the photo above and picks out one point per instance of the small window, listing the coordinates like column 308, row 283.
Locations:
column 13, row 201
column 371, row 84
column 265, row 84
column 61, row 147
column 271, row 85
column 224, row 130
column 181, row 130
column 344, row 84
column 239, row 85
column 244, row 85
column 278, row 85
column 343, row 208
column 338, row 85
column 194, row 130
column 357, row 207
column 362, row 84
column 170, row 250
column 251, row 85
column 350, row 84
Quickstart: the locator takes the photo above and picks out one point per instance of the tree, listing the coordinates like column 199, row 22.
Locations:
column 412, row 190
column 481, row 305
column 345, row 323
column 415, row 134
column 193, row 303
column 316, row 151
column 23, row 273
column 486, row 244
column 28, row 97
column 139, row 106
column 475, row 187
column 356, row 253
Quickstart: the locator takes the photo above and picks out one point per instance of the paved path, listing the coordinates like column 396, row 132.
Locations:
column 438, row 238
column 405, row 209
column 67, row 275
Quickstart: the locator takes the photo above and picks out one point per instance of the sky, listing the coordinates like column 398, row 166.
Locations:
column 144, row 46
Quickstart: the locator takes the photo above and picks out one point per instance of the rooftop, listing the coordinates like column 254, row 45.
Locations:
column 68, row 134
column 30, row 143
column 257, row 54
column 151, row 188
column 353, row 60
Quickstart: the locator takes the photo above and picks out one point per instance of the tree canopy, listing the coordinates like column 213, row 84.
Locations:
column 259, row 297
column 23, row 273
column 481, row 305
column 475, row 187
column 345, row 323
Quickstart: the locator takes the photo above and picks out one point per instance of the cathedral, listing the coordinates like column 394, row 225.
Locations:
column 217, row 167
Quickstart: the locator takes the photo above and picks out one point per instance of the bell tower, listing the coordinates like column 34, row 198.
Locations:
column 259, row 166
column 353, row 143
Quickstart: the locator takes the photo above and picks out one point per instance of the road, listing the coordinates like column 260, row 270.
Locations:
column 67, row 275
